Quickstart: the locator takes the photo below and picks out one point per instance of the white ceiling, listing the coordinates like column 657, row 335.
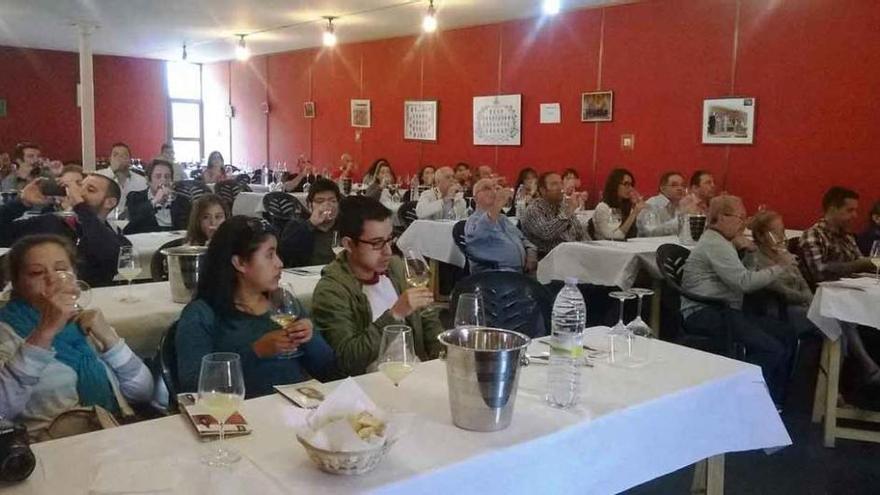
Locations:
column 158, row 28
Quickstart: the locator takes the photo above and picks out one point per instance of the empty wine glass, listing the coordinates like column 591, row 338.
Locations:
column 397, row 357
column 875, row 259
column 622, row 296
column 285, row 311
column 221, row 392
column 80, row 292
column 129, row 267
column 469, row 312
column 640, row 333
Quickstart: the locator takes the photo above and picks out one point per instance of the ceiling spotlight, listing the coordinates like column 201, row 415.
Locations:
column 183, row 55
column 551, row 7
column 329, row 32
column 429, row 22
column 242, row 52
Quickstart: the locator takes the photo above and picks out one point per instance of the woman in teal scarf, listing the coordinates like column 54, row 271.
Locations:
column 47, row 365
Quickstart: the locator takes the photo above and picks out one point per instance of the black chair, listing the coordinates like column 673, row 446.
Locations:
column 512, row 301
column 670, row 261
column 159, row 262
column 190, row 189
column 229, row 189
column 279, row 208
column 168, row 365
column 459, row 239
column 244, row 179
column 407, row 213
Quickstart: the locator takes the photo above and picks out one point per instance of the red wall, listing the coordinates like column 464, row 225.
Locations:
column 40, row 91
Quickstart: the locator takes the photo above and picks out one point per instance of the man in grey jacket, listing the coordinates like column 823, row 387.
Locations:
column 714, row 270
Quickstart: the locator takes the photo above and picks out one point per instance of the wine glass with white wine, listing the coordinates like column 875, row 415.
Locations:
column 418, row 272
column 221, row 392
column 337, row 246
column 129, row 267
column 397, row 357
column 285, row 312
column 875, row 259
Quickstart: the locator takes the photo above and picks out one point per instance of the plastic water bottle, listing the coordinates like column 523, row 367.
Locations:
column 520, row 201
column 414, row 188
column 566, row 351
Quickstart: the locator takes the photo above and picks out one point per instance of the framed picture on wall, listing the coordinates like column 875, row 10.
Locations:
column 498, row 120
column 729, row 120
column 597, row 106
column 420, row 120
column 360, row 113
column 309, row 109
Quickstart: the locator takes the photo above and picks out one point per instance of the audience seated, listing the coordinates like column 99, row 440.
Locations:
column 305, row 175
column 120, row 171
column 365, row 289
column 378, row 178
column 166, row 152
column 54, row 358
column 208, row 213
column 528, row 181
column 26, row 160
column 306, row 242
column 156, row 209
column 485, row 172
column 464, row 177
column 443, row 201
column 615, row 217
column 492, row 237
column 714, row 270
column 571, row 181
column 347, row 168
column 702, row 190
column 231, row 313
column 549, row 219
column 215, row 170
column 872, row 233
column 97, row 242
column 660, row 215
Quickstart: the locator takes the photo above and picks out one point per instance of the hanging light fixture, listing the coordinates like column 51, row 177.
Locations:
column 242, row 52
column 183, row 55
column 552, row 7
column 329, row 32
column 429, row 22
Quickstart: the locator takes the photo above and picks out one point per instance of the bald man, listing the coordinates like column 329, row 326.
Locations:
column 347, row 167
column 443, row 201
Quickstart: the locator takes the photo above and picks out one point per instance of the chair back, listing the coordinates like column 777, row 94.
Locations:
column 229, row 189
column 168, row 365
column 280, row 207
column 512, row 301
column 407, row 213
column 159, row 262
column 190, row 189
column 670, row 260
column 459, row 239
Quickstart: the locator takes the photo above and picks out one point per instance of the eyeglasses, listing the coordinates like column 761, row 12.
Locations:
column 378, row 244
column 741, row 217
column 626, row 183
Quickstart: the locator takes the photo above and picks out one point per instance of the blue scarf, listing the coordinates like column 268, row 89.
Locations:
column 72, row 349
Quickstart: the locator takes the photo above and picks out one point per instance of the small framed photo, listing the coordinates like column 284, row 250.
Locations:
column 729, row 120
column 309, row 109
column 597, row 106
column 360, row 113
column 420, row 120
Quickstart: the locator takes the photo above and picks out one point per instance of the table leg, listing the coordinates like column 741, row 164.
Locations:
column 819, row 397
column 655, row 307
column 832, row 391
column 709, row 476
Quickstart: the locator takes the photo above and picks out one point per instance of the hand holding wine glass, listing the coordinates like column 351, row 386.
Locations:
column 285, row 314
column 221, row 392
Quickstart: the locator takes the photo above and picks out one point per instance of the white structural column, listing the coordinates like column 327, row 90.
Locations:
column 87, row 95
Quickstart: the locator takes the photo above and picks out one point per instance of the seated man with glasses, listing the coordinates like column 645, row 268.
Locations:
column 714, row 270
column 365, row 290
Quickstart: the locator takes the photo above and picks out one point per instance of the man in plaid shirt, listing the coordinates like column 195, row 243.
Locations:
column 828, row 250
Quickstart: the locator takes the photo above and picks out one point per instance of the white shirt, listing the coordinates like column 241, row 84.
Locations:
column 382, row 296
column 135, row 182
column 659, row 218
column 432, row 206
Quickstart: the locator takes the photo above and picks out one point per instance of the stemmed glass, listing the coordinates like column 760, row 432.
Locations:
column 285, row 311
column 336, row 246
column 875, row 259
column 128, row 266
column 615, row 219
column 622, row 296
column 397, row 357
column 80, row 292
column 470, row 313
column 418, row 272
column 639, row 331
column 221, row 392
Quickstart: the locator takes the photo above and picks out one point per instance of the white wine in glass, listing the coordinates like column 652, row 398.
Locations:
column 418, row 273
column 285, row 313
column 129, row 267
column 397, row 357
column 221, row 392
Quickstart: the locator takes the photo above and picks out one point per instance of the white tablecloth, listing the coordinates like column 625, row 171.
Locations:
column 609, row 263
column 432, row 238
column 633, row 425
column 142, row 324
column 851, row 300
column 147, row 245
column 251, row 203
column 3, row 251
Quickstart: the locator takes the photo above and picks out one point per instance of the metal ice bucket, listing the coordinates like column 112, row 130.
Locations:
column 184, row 263
column 482, row 369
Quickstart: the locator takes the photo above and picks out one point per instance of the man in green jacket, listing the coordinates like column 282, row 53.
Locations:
column 365, row 289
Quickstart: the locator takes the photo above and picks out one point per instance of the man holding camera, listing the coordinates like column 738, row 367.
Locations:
column 92, row 200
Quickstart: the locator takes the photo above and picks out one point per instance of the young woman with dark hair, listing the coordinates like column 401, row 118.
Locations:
column 208, row 212
column 615, row 217
column 231, row 313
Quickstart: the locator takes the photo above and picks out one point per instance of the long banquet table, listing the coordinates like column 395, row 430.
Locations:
column 142, row 324
column 632, row 425
column 147, row 244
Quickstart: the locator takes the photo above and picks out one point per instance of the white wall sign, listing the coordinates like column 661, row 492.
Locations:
column 551, row 113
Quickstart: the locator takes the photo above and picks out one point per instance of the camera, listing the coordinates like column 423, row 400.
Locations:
column 50, row 187
column 17, row 462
